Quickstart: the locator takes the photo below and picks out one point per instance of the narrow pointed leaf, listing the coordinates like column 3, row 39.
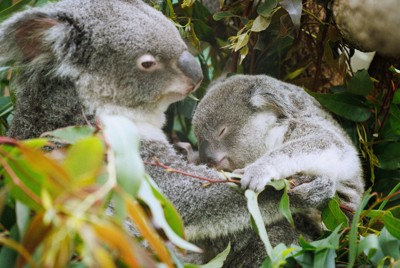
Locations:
column 252, row 206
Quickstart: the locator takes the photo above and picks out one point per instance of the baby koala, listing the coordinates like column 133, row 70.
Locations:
column 274, row 130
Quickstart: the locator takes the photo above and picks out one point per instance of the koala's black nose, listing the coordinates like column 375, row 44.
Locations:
column 191, row 68
column 205, row 153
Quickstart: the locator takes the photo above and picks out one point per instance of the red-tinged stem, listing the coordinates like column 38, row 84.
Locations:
column 343, row 207
column 18, row 182
column 158, row 164
column 9, row 141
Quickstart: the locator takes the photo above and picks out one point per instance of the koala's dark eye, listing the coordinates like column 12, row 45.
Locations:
column 222, row 132
column 147, row 62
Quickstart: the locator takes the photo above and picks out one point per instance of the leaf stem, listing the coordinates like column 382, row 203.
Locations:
column 170, row 169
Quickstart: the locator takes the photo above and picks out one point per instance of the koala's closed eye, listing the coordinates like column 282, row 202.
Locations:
column 222, row 132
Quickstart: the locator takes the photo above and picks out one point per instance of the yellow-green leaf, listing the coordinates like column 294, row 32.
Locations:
column 84, row 160
column 260, row 23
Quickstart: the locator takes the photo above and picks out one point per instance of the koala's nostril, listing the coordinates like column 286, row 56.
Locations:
column 190, row 67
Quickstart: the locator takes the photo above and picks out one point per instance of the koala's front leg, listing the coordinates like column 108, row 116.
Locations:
column 316, row 155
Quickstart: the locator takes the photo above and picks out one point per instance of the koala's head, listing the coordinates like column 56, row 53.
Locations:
column 119, row 52
column 232, row 120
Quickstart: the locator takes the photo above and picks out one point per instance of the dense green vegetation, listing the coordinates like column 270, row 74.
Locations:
column 292, row 40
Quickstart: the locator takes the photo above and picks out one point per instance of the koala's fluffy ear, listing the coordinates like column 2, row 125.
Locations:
column 263, row 101
column 33, row 34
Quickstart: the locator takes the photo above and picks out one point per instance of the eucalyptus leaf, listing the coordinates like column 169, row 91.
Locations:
column 222, row 15
column 396, row 97
column 344, row 105
column 69, row 135
column 333, row 216
column 294, row 8
column 84, row 168
column 8, row 255
column 325, row 258
column 265, row 9
column 22, row 212
column 353, row 246
column 260, row 23
column 242, row 41
column 360, row 83
column 171, row 214
column 146, row 194
column 369, row 245
column 389, row 244
column 12, row 9
column 389, row 156
column 122, row 136
column 252, row 206
column 392, row 224
column 284, row 206
column 217, row 261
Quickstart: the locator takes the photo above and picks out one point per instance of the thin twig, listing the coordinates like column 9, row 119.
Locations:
column 169, row 169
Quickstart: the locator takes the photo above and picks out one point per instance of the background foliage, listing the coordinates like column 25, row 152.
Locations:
column 295, row 41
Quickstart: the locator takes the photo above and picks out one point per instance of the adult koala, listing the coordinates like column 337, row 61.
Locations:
column 83, row 58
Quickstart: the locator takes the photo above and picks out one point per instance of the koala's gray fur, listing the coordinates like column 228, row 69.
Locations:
column 274, row 130
column 83, row 58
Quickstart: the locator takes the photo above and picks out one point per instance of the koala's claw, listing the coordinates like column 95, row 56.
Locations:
column 255, row 178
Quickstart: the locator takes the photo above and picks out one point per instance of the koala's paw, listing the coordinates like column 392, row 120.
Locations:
column 314, row 191
column 256, row 177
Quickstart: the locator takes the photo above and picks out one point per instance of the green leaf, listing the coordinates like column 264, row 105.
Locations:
column 360, row 83
column 22, row 212
column 284, row 206
column 252, row 206
column 390, row 245
column 14, row 8
column 217, row 261
column 392, row 224
column 222, row 15
column 325, row 258
column 319, row 253
column 294, row 8
column 333, row 216
column 279, row 255
column 6, row 105
column 8, row 255
column 121, row 134
column 35, row 143
column 171, row 214
column 353, row 247
column 242, row 41
column 278, row 184
column 260, row 23
column 395, row 188
column 81, row 166
column 69, row 135
column 187, row 3
column 146, row 194
column 265, row 9
column 389, row 156
column 369, row 245
column 295, row 73
column 330, row 242
column 344, row 105
column 396, row 97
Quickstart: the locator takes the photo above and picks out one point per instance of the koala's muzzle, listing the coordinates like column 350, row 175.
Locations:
column 191, row 68
column 205, row 153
